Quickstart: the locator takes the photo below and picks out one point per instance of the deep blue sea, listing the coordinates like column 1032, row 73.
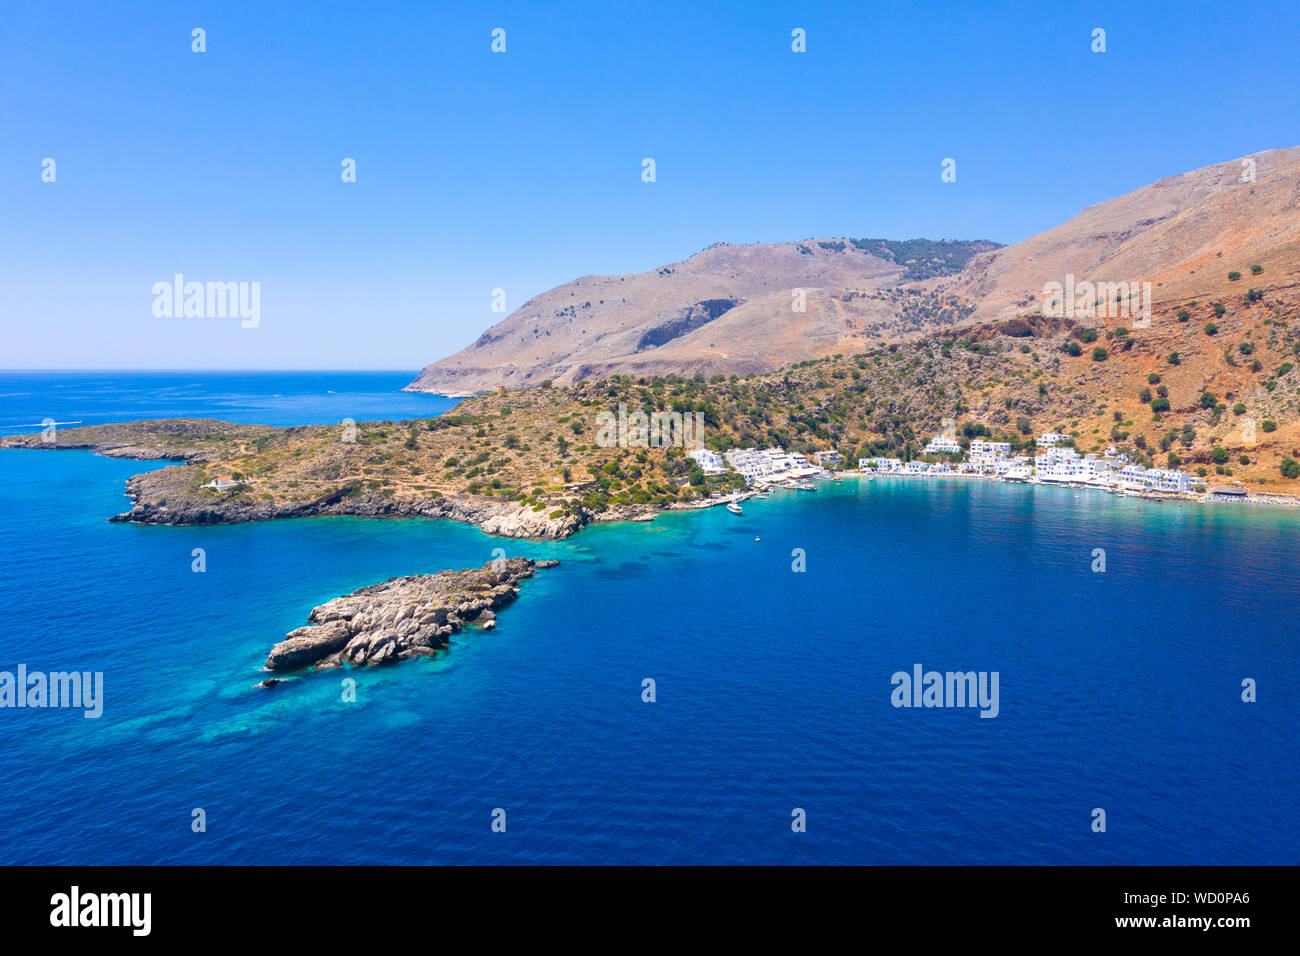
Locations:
column 1118, row 690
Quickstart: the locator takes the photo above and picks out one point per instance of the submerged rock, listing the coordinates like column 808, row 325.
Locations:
column 404, row 617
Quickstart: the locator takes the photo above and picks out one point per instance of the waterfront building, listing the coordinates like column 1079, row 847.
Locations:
column 943, row 445
column 710, row 462
column 881, row 465
column 749, row 463
column 986, row 454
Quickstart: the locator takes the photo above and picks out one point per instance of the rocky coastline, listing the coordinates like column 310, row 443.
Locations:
column 404, row 617
column 165, row 497
column 171, row 496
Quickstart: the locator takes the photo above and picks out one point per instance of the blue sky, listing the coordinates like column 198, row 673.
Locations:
column 522, row 170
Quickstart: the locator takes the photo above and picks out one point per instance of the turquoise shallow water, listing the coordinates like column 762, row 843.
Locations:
column 1118, row 690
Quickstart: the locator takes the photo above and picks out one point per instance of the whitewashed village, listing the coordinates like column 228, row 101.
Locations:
column 1056, row 462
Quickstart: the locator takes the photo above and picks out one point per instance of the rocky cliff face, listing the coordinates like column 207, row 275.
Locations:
column 404, row 617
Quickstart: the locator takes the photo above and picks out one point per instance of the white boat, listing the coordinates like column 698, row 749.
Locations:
column 734, row 508
column 806, row 486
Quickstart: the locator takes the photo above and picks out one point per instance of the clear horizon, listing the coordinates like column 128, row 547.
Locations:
column 522, row 170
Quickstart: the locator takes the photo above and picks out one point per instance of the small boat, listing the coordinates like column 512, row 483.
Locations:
column 734, row 508
column 806, row 486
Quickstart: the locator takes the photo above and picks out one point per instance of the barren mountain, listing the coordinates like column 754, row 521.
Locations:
column 1182, row 234
column 728, row 309
column 756, row 308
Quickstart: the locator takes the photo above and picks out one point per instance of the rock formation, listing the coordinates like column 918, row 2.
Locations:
column 403, row 617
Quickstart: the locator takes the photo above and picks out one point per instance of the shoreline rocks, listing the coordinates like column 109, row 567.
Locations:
column 171, row 496
column 164, row 497
column 403, row 617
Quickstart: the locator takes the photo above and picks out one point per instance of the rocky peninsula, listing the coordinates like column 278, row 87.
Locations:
column 501, row 463
column 166, row 497
column 404, row 617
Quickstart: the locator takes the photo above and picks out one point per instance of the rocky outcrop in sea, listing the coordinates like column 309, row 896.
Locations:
column 403, row 617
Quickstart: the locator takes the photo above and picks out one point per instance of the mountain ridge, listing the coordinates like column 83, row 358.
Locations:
column 759, row 307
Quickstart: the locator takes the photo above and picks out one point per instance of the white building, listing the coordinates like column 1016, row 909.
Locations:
column 1132, row 475
column 1019, row 462
column 710, row 462
column 1063, row 464
column 986, row 454
column 1167, row 479
column 771, row 465
column 1051, row 439
column 943, row 445
column 751, row 464
column 880, row 465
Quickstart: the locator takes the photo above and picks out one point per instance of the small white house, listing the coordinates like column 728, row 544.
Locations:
column 710, row 462
column 221, row 484
column 1169, row 479
column 943, row 445
column 881, row 465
